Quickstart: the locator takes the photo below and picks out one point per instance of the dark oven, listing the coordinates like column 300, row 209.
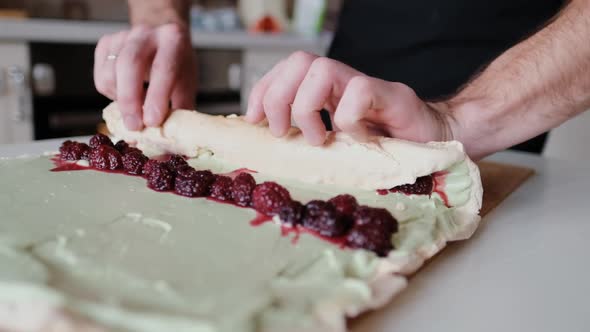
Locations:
column 65, row 102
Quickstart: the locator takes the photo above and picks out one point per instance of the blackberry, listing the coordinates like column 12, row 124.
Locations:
column 422, row 186
column 133, row 162
column 242, row 188
column 322, row 217
column 100, row 139
column 74, row 151
column 105, row 157
column 269, row 197
column 372, row 230
column 292, row 213
column 221, row 188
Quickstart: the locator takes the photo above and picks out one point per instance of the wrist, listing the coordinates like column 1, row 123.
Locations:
column 463, row 122
column 155, row 13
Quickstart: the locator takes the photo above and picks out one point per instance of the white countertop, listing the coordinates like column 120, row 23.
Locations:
column 88, row 32
column 526, row 268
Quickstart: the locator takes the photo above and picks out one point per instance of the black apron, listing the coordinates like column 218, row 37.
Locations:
column 435, row 46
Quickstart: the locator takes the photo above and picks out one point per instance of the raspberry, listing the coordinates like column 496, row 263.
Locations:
column 291, row 214
column 221, row 188
column 372, row 230
column 133, row 162
column 70, row 150
column 105, row 157
column 345, row 204
column 242, row 188
column 160, row 177
column 149, row 166
column 323, row 218
column 192, row 183
column 100, row 139
column 422, row 186
column 269, row 197
column 176, row 161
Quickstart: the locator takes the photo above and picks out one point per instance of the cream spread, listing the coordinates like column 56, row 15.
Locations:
column 102, row 248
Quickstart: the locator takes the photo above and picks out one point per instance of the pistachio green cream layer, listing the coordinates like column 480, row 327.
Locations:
column 106, row 247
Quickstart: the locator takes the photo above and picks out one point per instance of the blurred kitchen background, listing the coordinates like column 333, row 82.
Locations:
column 47, row 49
column 46, row 60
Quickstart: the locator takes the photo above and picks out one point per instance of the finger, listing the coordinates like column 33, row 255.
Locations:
column 361, row 100
column 184, row 94
column 104, row 68
column 131, row 67
column 101, row 81
column 281, row 93
column 255, row 111
column 185, row 89
column 163, row 74
column 108, row 70
column 321, row 88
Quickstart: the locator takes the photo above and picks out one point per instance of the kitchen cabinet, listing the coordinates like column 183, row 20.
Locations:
column 58, row 54
column 16, row 119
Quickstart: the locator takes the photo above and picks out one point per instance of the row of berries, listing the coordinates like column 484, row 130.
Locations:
column 340, row 217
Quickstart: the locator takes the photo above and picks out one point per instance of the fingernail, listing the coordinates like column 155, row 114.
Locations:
column 277, row 132
column 248, row 115
column 149, row 116
column 132, row 122
column 317, row 139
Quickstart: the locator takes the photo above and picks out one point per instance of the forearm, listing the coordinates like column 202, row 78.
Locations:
column 531, row 88
column 158, row 12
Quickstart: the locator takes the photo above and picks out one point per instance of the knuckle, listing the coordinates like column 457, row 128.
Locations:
column 163, row 66
column 127, row 103
column 342, row 121
column 131, row 55
column 324, row 66
column 301, row 57
column 271, row 100
column 301, row 112
column 140, row 30
column 103, row 41
column 173, row 39
column 360, row 84
column 172, row 30
column 101, row 87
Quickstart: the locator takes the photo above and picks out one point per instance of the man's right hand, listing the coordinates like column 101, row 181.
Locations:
column 163, row 54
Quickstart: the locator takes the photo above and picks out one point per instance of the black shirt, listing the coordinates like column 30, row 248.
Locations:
column 435, row 46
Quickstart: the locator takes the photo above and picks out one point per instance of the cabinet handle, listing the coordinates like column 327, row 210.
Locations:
column 17, row 81
column 234, row 76
column 3, row 85
column 43, row 79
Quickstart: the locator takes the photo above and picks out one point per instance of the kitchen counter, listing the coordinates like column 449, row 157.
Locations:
column 88, row 32
column 526, row 268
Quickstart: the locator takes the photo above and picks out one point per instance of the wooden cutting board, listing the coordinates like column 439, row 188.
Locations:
column 499, row 181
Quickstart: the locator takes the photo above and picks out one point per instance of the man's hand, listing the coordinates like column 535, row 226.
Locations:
column 163, row 54
column 304, row 84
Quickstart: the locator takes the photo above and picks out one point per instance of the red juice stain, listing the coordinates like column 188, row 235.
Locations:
column 382, row 192
column 288, row 230
column 66, row 166
column 260, row 219
column 439, row 186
